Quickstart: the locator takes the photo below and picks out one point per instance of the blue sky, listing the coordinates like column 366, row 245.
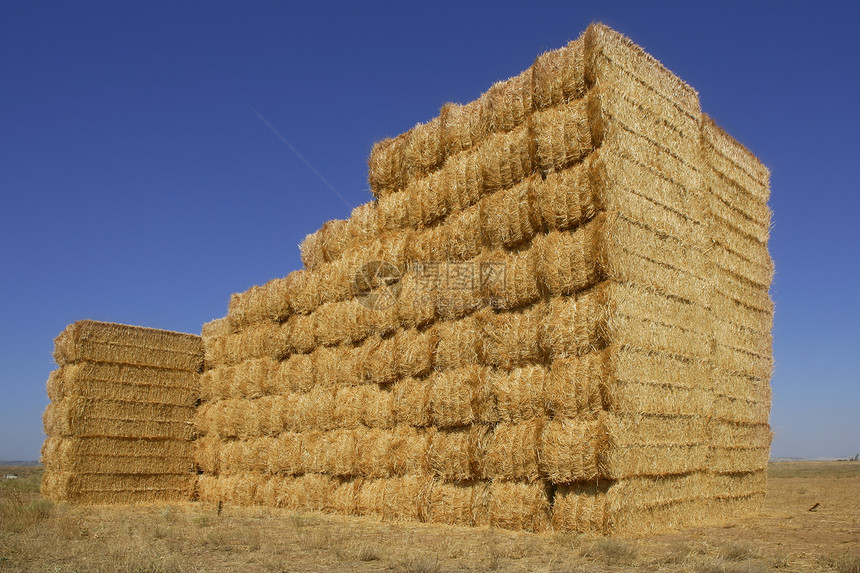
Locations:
column 138, row 185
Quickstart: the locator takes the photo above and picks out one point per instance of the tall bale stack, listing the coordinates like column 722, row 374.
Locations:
column 539, row 322
column 119, row 423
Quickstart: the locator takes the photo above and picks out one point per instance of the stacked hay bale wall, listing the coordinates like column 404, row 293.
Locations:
column 119, row 423
column 539, row 322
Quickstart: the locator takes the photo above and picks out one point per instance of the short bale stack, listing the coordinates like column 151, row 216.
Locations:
column 119, row 423
column 525, row 329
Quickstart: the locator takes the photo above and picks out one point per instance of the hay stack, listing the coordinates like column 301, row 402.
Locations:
column 570, row 330
column 118, row 424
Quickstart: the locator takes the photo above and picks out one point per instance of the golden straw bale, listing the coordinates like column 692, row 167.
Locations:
column 732, row 409
column 423, row 151
column 516, row 284
column 626, row 185
column 335, row 366
column 635, row 254
column 434, row 206
column 416, row 305
column 428, row 245
column 559, row 75
column 734, row 161
column 519, row 505
column 661, row 459
column 215, row 351
column 415, row 350
column 461, row 180
column 564, row 199
column 336, row 278
column 363, row 225
column 402, row 210
column 565, row 260
column 412, row 402
column 460, row 293
column 575, row 385
column 373, row 453
column 303, row 290
column 213, row 328
column 315, row 410
column 458, row 343
column 378, row 360
column 89, row 340
column 510, row 102
column 408, row 450
column 459, row 503
column 453, row 396
column 206, row 454
column 333, row 452
column 88, row 417
column 242, row 456
column 512, row 450
column 117, row 489
column 743, row 362
column 378, row 408
column 294, row 374
column 457, row 454
column 728, row 434
column 263, row 340
column 448, row 454
column 367, row 405
column 250, row 379
column 504, row 160
column 635, row 109
column 299, row 334
column 464, row 126
column 343, row 499
column 396, row 499
column 386, row 171
column 337, row 322
column 570, row 449
column 610, row 55
column 460, row 237
column 505, row 217
column 203, row 421
column 749, row 248
column 562, row 135
column 125, row 382
column 511, row 339
column 214, row 384
column 309, row 492
column 285, row 457
column 311, row 248
column 116, row 455
column 738, row 459
column 738, row 386
column 581, row 507
column 737, row 484
column 513, row 396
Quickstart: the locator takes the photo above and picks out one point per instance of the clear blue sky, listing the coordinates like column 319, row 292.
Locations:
column 138, row 186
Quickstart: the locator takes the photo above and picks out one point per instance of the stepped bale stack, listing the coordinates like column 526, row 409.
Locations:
column 554, row 314
column 119, row 423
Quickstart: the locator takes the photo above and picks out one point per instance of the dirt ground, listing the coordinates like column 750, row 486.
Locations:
column 36, row 535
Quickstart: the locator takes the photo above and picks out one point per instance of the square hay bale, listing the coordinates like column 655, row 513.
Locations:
column 91, row 341
column 616, row 380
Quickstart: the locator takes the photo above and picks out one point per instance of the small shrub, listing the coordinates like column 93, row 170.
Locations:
column 420, row 563
column 612, row 551
column 738, row 551
column 368, row 553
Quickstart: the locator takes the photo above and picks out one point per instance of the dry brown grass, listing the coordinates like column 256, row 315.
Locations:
column 36, row 535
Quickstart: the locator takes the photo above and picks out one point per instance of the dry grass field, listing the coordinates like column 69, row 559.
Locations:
column 36, row 535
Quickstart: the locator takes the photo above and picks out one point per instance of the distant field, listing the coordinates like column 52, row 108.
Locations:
column 36, row 535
